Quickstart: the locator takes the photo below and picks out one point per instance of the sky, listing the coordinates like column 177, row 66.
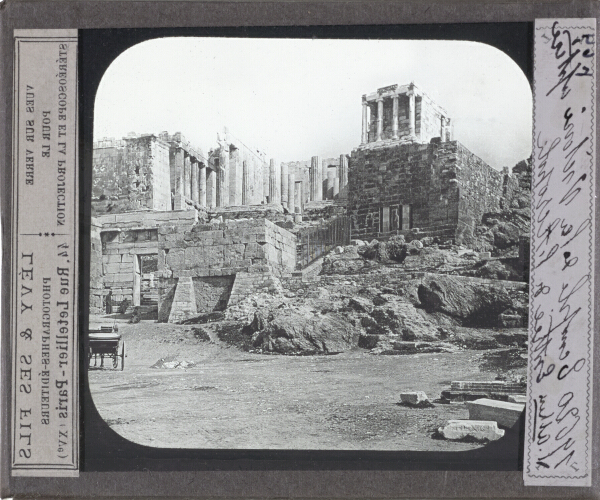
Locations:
column 297, row 98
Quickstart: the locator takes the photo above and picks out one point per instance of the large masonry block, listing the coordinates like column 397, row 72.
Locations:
column 184, row 301
column 506, row 414
column 478, row 429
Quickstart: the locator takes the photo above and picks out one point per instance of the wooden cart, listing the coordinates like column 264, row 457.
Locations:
column 104, row 342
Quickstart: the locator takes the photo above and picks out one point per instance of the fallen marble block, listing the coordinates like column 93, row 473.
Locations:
column 478, row 429
column 417, row 399
column 506, row 414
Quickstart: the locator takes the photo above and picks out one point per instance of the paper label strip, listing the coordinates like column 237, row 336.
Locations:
column 45, row 407
column 558, row 439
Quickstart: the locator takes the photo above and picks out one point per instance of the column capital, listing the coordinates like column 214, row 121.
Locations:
column 379, row 98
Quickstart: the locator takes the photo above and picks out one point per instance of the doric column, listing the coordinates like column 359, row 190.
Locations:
column 245, row 182
column 284, row 184
column 235, row 177
column 442, row 129
column 316, row 179
column 448, row 129
column 411, row 113
column 202, row 184
column 187, row 167
column 298, row 197
column 179, row 201
column 265, row 180
column 273, row 187
column 379, row 117
column 195, row 180
column 395, row 117
column 211, row 188
column 223, row 177
column 343, row 171
column 365, row 123
column 330, row 181
column 336, row 187
column 291, row 198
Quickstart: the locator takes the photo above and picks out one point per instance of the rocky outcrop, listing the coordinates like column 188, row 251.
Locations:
column 302, row 331
column 473, row 303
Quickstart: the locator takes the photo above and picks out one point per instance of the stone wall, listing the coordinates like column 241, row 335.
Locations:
column 123, row 238
column 254, row 246
column 481, row 190
column 97, row 293
column 212, row 292
column 438, row 187
column 274, row 212
column 131, row 174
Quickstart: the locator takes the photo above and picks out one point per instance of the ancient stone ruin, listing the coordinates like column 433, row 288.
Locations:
column 177, row 232
column 409, row 173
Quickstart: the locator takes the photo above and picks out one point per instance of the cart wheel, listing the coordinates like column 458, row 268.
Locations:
column 122, row 356
column 115, row 358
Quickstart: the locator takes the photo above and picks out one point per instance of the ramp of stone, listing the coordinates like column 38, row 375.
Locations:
column 184, row 301
column 506, row 414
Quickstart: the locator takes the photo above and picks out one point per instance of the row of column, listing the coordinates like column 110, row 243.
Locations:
column 333, row 179
column 221, row 185
column 191, row 179
column 379, row 131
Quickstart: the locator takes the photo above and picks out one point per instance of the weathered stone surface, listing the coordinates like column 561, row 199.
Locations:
column 414, row 398
column 506, row 414
column 479, row 429
column 405, row 174
column 517, row 398
column 301, row 331
column 476, row 304
column 184, row 302
column 510, row 320
column 498, row 386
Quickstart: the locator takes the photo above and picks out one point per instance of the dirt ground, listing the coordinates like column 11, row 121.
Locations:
column 235, row 399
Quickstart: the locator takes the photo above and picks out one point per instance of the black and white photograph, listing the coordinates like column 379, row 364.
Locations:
column 310, row 244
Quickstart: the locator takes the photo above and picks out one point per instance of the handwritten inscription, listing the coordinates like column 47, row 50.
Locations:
column 561, row 267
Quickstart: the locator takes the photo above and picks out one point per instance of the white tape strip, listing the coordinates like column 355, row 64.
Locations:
column 45, row 408
column 558, row 437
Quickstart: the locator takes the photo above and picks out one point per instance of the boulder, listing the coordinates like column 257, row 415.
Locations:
column 360, row 304
column 475, row 304
column 302, row 331
column 481, row 430
column 368, row 341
